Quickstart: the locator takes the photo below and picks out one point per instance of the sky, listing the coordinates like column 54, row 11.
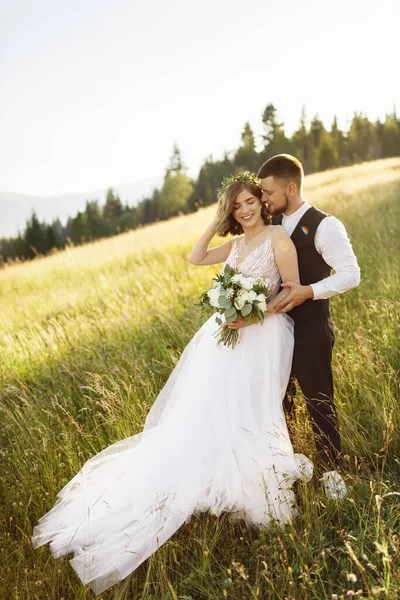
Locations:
column 94, row 93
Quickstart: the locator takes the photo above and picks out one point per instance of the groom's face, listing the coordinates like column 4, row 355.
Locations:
column 275, row 195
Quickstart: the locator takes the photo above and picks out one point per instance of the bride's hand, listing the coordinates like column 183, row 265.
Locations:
column 238, row 324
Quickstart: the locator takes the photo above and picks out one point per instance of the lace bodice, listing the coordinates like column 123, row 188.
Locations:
column 259, row 263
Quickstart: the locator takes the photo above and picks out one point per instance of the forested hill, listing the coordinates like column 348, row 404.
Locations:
column 16, row 208
column 317, row 147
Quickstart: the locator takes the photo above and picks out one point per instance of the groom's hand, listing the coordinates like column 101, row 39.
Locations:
column 298, row 294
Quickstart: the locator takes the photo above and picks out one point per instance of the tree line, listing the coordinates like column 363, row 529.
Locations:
column 318, row 148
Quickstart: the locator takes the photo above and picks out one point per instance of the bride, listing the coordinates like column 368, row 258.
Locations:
column 216, row 437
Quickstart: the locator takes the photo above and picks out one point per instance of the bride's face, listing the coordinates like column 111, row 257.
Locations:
column 247, row 209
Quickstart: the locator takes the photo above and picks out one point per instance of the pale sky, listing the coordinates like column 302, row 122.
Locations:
column 94, row 93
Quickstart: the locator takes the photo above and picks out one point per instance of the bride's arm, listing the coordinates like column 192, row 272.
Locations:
column 201, row 255
column 286, row 259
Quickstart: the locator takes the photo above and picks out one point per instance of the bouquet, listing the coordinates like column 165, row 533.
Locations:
column 234, row 295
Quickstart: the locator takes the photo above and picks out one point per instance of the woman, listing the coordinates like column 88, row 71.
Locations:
column 216, row 437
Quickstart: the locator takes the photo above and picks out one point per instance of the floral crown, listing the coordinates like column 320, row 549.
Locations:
column 243, row 177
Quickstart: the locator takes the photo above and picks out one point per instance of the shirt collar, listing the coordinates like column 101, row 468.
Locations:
column 296, row 216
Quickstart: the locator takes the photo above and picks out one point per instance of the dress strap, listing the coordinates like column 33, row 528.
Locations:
column 235, row 251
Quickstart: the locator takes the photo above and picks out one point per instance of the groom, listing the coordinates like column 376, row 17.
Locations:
column 322, row 245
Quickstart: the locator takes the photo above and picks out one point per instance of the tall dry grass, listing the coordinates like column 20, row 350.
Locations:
column 89, row 336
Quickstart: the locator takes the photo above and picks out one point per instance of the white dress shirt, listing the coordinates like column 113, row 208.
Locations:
column 332, row 242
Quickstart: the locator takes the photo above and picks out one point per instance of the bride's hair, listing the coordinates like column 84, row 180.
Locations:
column 227, row 223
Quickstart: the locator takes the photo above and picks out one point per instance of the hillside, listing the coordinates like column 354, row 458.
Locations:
column 89, row 336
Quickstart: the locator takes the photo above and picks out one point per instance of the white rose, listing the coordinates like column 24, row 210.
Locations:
column 245, row 296
column 213, row 290
column 263, row 304
column 240, row 300
column 214, row 294
column 252, row 295
column 236, row 278
column 247, row 283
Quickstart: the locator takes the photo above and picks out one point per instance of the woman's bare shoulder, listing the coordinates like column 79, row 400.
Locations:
column 278, row 231
column 280, row 238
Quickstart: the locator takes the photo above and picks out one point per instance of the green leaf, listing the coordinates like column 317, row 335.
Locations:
column 230, row 311
column 232, row 317
column 228, row 271
column 243, row 177
column 246, row 310
column 224, row 302
column 218, row 320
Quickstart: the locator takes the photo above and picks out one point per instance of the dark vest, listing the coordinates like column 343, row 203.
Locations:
column 312, row 267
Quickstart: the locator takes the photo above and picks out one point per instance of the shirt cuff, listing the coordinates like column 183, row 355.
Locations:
column 318, row 290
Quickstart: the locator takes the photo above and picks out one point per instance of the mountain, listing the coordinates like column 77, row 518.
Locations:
column 16, row 209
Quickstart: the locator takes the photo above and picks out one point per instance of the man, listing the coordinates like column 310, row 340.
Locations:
column 322, row 245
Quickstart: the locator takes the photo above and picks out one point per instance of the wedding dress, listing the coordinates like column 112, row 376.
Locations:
column 215, row 439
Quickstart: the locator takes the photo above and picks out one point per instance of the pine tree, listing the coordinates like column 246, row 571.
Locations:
column 112, row 208
column 302, row 145
column 175, row 193
column 246, row 157
column 340, row 143
column 175, row 164
column 95, row 220
column 327, row 154
column 364, row 143
column 177, row 187
column 390, row 137
column 274, row 137
column 58, row 233
column 79, row 228
column 247, row 137
column 35, row 236
column 209, row 180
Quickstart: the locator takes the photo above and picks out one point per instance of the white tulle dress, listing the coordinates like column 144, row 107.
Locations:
column 215, row 440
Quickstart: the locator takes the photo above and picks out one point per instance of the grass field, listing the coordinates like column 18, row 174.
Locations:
column 89, row 336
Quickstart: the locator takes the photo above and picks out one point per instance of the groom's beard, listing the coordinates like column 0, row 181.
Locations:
column 282, row 209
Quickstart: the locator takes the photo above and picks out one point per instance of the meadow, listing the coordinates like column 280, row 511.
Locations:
column 88, row 337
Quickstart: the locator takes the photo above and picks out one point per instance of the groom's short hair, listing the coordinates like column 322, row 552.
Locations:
column 283, row 166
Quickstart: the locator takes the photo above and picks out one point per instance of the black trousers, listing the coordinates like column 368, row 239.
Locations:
column 312, row 369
